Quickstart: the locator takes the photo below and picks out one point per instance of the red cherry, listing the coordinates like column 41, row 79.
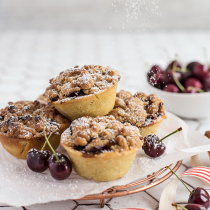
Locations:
column 168, row 77
column 193, row 206
column 192, row 82
column 155, row 70
column 200, row 196
column 206, row 82
column 199, row 71
column 174, row 65
column 155, row 80
column 37, row 160
column 152, row 147
column 59, row 165
column 186, row 75
column 60, row 169
column 191, row 65
column 171, row 88
column 207, row 74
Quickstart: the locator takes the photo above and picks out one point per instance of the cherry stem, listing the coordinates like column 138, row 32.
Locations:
column 50, row 145
column 195, row 88
column 179, row 129
column 187, row 70
column 48, row 139
column 179, row 179
column 178, row 83
column 174, row 67
column 177, row 205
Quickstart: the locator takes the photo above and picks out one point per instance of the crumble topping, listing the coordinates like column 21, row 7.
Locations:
column 26, row 119
column 140, row 110
column 76, row 82
column 94, row 135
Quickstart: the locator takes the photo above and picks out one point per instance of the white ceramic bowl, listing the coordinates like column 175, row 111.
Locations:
column 192, row 106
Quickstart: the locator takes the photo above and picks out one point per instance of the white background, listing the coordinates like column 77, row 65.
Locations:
column 38, row 39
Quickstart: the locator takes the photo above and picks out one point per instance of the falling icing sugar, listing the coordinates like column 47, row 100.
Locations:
column 137, row 14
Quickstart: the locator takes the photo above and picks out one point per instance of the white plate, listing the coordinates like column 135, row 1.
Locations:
column 21, row 187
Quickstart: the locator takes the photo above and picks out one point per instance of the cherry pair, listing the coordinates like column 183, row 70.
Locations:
column 198, row 200
column 59, row 165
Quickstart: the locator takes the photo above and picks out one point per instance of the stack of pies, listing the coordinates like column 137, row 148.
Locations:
column 100, row 129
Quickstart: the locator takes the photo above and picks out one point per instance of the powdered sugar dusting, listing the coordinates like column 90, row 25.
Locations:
column 78, row 82
column 101, row 133
column 26, row 119
column 138, row 14
column 140, row 110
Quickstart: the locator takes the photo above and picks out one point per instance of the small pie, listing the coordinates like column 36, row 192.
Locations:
column 86, row 91
column 143, row 111
column 21, row 126
column 101, row 148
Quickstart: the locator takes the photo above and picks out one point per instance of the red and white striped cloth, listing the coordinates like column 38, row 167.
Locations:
column 199, row 172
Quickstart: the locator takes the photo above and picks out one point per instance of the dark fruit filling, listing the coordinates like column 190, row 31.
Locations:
column 54, row 98
column 95, row 149
column 76, row 94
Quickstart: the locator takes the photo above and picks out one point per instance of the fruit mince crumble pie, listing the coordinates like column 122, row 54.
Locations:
column 77, row 82
column 101, row 148
column 84, row 91
column 141, row 110
column 21, row 126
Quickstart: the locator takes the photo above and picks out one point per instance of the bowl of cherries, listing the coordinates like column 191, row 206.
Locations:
column 185, row 90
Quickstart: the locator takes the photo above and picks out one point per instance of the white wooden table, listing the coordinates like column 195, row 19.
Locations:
column 28, row 59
